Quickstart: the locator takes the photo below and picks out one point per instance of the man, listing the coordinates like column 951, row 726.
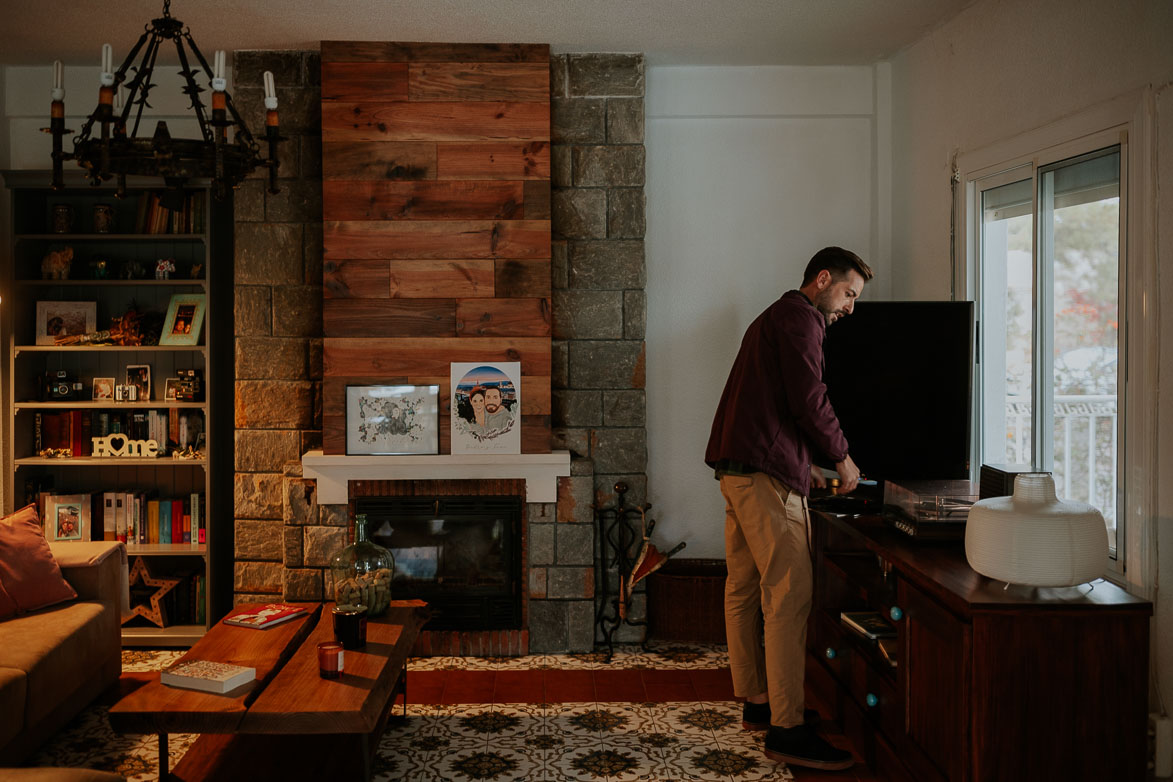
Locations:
column 773, row 414
column 497, row 416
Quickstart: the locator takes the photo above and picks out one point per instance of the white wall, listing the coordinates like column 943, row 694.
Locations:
column 1003, row 67
column 750, row 171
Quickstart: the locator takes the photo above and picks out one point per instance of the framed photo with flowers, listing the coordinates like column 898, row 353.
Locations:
column 185, row 319
column 392, row 419
column 65, row 319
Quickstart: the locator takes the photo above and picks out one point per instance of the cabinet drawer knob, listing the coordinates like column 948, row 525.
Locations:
column 831, row 653
column 896, row 612
column 872, row 699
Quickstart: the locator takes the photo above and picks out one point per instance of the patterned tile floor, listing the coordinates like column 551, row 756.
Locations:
column 664, row 714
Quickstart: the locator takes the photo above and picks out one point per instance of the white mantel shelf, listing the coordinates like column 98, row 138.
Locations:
column 540, row 471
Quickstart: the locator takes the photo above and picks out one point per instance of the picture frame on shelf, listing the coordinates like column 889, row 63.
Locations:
column 385, row 419
column 486, row 407
column 139, row 376
column 67, row 517
column 103, row 389
column 170, row 389
column 185, row 319
column 65, row 318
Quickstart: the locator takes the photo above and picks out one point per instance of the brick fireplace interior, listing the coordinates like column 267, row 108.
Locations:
column 422, row 218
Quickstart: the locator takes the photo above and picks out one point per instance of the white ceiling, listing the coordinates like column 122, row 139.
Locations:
column 669, row 32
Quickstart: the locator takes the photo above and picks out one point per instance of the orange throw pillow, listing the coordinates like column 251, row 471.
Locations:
column 29, row 576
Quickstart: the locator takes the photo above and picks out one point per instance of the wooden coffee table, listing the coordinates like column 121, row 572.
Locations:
column 290, row 722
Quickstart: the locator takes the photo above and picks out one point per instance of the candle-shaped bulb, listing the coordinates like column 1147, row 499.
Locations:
column 58, row 92
column 270, row 91
column 218, row 82
column 107, row 76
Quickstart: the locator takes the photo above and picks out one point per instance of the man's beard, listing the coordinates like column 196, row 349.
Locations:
column 491, row 408
column 825, row 310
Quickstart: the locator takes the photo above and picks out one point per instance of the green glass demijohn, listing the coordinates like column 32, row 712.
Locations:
column 362, row 572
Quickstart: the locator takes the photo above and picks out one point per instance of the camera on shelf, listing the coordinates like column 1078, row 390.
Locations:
column 60, row 386
column 191, row 385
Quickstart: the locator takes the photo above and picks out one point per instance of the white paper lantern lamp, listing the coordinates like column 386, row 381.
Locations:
column 1034, row 538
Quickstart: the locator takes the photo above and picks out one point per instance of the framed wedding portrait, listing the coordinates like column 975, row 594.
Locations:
column 486, row 407
column 392, row 419
column 185, row 319
column 65, row 319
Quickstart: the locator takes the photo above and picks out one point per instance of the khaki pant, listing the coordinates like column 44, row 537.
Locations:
column 769, row 580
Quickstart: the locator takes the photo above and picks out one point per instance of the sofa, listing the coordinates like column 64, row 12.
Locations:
column 55, row 660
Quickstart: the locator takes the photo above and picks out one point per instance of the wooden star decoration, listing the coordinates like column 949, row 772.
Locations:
column 156, row 612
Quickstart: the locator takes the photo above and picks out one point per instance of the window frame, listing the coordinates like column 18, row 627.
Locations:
column 1128, row 121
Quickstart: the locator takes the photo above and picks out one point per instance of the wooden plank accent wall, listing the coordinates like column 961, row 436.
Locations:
column 436, row 211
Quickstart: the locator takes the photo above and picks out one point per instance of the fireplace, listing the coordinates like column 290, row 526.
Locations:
column 463, row 555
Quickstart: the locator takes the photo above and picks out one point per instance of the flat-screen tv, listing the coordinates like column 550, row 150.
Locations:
column 900, row 377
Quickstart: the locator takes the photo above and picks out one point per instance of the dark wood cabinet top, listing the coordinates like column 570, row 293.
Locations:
column 940, row 568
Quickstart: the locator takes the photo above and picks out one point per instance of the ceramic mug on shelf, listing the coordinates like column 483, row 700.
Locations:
column 103, row 218
column 62, row 218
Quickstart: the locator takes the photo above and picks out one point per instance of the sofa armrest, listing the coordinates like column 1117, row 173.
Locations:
column 95, row 569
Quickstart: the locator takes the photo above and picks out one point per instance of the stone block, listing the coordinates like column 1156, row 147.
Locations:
column 615, row 264
column 625, row 120
column 561, row 174
column 240, row 598
column 575, row 499
column 558, row 77
column 297, row 311
column 625, row 213
column 293, row 540
column 265, row 450
column 335, row 515
column 547, row 626
column 258, row 577
column 299, row 502
column 581, row 467
column 606, row 364
column 301, row 111
column 292, row 468
column 248, row 202
column 635, row 314
column 541, row 544
column 579, row 213
column 577, row 441
column 312, row 62
column 316, row 365
column 575, row 544
column 257, row 495
column 606, row 74
column 573, row 583
column 258, row 540
column 269, row 254
column 322, row 543
column 274, row 404
column 580, row 622
column 576, row 408
column 559, row 364
column 578, row 121
column 249, row 66
column 637, row 489
column 302, row 584
column 287, row 159
column 253, row 313
column 537, row 583
column 587, row 314
column 620, row 450
column 271, row 358
column 620, row 165
column 539, row 512
column 312, row 251
column 559, row 259
column 310, row 157
column 624, row 408
column 299, row 201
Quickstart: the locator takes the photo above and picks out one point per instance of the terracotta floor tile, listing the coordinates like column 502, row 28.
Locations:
column 519, row 687
column 620, row 686
column 469, row 687
column 668, row 693
column 712, row 685
column 426, row 686
column 570, row 686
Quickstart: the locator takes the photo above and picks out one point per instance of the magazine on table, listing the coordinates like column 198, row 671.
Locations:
column 207, row 675
column 265, row 616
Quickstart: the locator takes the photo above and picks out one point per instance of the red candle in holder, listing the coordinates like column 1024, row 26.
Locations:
column 330, row 661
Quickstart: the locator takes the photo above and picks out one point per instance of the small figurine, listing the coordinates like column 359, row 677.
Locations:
column 196, row 268
column 55, row 265
column 99, row 269
column 132, row 270
column 164, row 268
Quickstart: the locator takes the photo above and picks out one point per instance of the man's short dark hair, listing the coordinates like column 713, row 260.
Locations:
column 839, row 262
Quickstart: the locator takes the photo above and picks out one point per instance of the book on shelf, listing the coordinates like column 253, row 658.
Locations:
column 265, row 616
column 869, row 624
column 207, row 675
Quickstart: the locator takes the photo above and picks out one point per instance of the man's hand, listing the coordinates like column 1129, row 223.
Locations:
column 848, row 475
column 817, row 477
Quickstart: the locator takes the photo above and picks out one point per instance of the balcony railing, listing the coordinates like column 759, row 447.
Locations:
column 1085, row 448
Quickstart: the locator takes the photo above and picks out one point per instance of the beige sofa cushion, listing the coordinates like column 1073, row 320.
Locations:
column 13, row 687
column 54, row 648
column 57, row 775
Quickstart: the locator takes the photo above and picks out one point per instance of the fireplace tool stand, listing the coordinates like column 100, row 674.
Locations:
column 618, row 551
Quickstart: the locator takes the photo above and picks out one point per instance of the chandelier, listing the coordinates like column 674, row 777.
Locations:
column 110, row 146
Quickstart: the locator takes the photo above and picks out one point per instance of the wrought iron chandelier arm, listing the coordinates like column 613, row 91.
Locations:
column 193, row 89
column 132, row 85
column 147, row 70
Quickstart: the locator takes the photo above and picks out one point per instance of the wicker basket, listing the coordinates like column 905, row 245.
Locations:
column 686, row 601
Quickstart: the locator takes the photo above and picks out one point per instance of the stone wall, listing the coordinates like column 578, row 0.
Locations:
column 283, row 538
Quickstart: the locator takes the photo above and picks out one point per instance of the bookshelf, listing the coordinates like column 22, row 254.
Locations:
column 117, row 246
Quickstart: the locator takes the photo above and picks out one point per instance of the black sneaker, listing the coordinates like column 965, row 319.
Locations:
column 802, row 746
column 756, row 716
